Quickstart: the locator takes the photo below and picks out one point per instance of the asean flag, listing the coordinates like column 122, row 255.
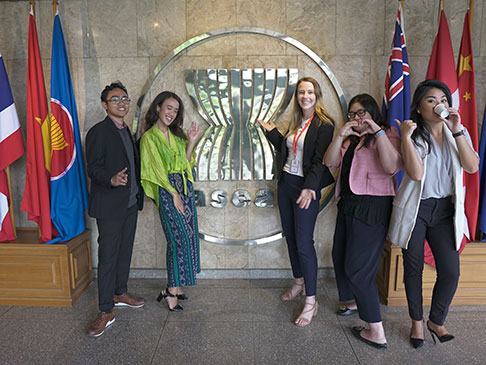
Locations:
column 69, row 195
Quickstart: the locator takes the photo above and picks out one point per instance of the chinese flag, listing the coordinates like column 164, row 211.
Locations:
column 36, row 194
column 467, row 108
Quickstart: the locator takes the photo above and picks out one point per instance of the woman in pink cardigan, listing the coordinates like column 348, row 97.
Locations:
column 368, row 151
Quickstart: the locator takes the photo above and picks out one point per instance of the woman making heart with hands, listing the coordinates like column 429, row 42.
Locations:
column 368, row 151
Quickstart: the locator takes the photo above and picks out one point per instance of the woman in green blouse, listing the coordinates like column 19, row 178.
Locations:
column 167, row 159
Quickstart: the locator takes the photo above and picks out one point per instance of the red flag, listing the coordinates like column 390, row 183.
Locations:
column 467, row 108
column 442, row 67
column 36, row 195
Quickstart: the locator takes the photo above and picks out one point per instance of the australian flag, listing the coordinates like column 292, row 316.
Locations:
column 396, row 99
column 69, row 195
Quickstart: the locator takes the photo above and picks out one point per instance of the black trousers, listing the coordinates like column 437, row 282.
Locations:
column 115, row 242
column 355, row 254
column 435, row 222
column 298, row 227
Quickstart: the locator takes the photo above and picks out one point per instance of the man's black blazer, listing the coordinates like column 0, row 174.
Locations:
column 317, row 139
column 106, row 155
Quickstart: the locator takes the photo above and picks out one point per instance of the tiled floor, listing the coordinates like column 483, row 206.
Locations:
column 226, row 322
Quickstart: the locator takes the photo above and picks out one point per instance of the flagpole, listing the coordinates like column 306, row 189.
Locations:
column 54, row 6
column 11, row 210
column 441, row 7
column 32, row 4
column 471, row 8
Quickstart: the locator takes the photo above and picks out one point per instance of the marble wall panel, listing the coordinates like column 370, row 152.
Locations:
column 212, row 255
column 161, row 26
column 480, row 69
column 480, row 31
column 254, row 45
column 273, row 61
column 353, row 72
column 262, row 14
column 74, row 21
column 307, row 67
column 95, row 74
column 206, row 15
column 312, row 22
column 91, row 224
column 113, row 27
column 236, row 257
column 273, row 255
column 144, row 253
column 378, row 68
column 418, row 70
column 455, row 12
column 14, row 25
column 352, row 20
column 419, row 32
column 324, row 233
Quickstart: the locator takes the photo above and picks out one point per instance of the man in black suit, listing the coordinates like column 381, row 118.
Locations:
column 115, row 198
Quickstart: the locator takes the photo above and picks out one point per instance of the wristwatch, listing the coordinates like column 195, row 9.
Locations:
column 460, row 133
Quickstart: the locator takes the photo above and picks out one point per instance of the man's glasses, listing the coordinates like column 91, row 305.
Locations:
column 361, row 113
column 118, row 100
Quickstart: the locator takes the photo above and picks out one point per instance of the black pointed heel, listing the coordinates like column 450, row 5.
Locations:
column 443, row 338
column 416, row 342
column 165, row 294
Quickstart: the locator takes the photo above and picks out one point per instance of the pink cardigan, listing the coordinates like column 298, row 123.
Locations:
column 367, row 176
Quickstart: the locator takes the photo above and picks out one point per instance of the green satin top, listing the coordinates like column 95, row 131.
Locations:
column 159, row 158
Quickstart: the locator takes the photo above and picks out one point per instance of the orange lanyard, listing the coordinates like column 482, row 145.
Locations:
column 296, row 137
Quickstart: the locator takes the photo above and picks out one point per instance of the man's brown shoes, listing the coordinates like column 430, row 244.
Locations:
column 101, row 322
column 127, row 300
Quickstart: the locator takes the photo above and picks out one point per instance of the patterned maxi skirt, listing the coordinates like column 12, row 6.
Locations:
column 181, row 232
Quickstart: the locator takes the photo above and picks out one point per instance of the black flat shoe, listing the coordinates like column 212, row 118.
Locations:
column 166, row 293
column 345, row 311
column 357, row 333
column 443, row 338
column 416, row 342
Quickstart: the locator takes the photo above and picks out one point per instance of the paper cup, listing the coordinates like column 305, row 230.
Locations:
column 441, row 110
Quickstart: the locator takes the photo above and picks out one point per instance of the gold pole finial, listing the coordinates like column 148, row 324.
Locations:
column 54, row 7
column 471, row 8
column 32, row 5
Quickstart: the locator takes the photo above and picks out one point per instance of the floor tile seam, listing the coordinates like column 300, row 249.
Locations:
column 4, row 313
column 346, row 335
column 159, row 339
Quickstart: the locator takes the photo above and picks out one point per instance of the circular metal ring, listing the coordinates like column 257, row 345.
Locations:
column 223, row 32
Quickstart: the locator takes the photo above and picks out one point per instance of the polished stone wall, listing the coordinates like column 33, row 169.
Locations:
column 125, row 39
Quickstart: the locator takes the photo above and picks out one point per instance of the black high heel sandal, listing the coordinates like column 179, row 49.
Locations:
column 443, row 338
column 417, row 342
column 164, row 294
column 181, row 296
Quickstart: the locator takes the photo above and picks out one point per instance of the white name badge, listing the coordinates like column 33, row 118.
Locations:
column 294, row 166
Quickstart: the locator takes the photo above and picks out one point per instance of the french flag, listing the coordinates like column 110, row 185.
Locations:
column 11, row 148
